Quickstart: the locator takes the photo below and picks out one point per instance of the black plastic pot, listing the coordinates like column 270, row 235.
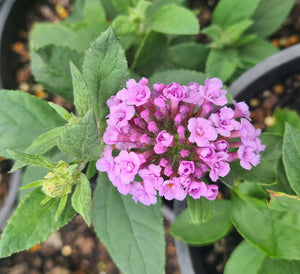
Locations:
column 12, row 19
column 259, row 78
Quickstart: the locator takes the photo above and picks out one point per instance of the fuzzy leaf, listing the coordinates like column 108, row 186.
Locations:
column 105, row 72
column 50, row 67
column 62, row 112
column 81, row 139
column 133, row 233
column 80, row 91
column 235, row 31
column 33, row 160
column 207, row 232
column 173, row 19
column 81, row 199
column 32, row 223
column 23, row 118
column 123, row 5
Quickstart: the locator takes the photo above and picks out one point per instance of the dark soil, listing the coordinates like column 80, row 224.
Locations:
column 75, row 248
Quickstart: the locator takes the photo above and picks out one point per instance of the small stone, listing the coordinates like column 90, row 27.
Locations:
column 254, row 102
column 59, row 270
column 283, row 42
column 266, row 93
column 24, row 87
column 293, row 39
column 85, row 244
column 66, row 250
column 269, row 121
column 18, row 269
column 278, row 88
column 270, row 102
column 275, row 42
column 55, row 240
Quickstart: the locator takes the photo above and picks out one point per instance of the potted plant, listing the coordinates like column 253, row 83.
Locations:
column 171, row 117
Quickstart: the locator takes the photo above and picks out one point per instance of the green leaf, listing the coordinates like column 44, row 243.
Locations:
column 157, row 4
column 214, row 32
column 221, row 63
column 283, row 201
column 235, row 31
column 269, row 16
column 150, row 50
column 123, row 5
column 33, row 160
column 182, row 76
column 204, row 233
column 80, row 91
column 62, row 112
column 124, row 24
column 50, row 67
column 41, row 145
column 30, row 174
column 272, row 231
column 91, row 169
column 23, row 118
column 256, row 51
column 33, row 184
column 230, row 12
column 277, row 266
column 93, row 12
column 176, row 20
column 228, row 180
column 266, row 171
column 81, row 139
column 291, row 156
column 81, row 199
column 245, row 259
column 61, row 206
column 132, row 233
column 199, row 209
column 105, row 72
column 282, row 116
column 184, row 54
column 32, row 223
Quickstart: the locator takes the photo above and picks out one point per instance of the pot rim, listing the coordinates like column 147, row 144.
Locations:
column 267, row 72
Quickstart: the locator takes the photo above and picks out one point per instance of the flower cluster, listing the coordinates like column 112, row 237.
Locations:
column 167, row 140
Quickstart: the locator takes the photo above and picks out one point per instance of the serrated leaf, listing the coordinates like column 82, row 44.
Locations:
column 291, row 156
column 105, row 72
column 41, row 145
column 80, row 91
column 32, row 223
column 173, row 19
column 221, row 63
column 184, row 55
column 269, row 15
column 61, row 206
column 207, row 232
column 33, row 160
column 199, row 209
column 23, row 118
column 272, row 231
column 50, row 67
column 81, row 139
column 132, row 233
column 62, row 112
column 81, row 198
column 229, row 12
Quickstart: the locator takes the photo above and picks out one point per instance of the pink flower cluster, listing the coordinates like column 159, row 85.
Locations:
column 167, row 140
